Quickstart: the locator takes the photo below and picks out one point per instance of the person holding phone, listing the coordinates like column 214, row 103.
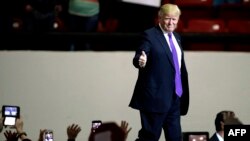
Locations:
column 19, row 134
column 48, row 135
column 10, row 114
column 95, row 125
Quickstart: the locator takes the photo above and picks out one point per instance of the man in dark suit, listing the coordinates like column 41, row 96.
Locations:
column 223, row 118
column 159, row 97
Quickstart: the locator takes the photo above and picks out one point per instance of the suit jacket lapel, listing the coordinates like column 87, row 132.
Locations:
column 178, row 41
column 164, row 44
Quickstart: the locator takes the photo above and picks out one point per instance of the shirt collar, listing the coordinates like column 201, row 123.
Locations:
column 219, row 137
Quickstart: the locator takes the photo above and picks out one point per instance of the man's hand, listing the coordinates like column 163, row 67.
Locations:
column 143, row 59
column 73, row 130
column 124, row 127
column 11, row 136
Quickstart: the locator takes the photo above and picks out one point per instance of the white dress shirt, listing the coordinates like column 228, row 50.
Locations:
column 177, row 47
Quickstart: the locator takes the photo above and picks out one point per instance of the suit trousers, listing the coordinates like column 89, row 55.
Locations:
column 153, row 123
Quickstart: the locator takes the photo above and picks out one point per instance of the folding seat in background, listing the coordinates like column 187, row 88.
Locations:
column 206, row 27
column 241, row 29
column 192, row 9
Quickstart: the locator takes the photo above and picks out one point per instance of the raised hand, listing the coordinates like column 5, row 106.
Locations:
column 73, row 130
column 124, row 127
column 143, row 59
column 11, row 136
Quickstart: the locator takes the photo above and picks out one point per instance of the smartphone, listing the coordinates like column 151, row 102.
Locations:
column 10, row 113
column 48, row 135
column 96, row 124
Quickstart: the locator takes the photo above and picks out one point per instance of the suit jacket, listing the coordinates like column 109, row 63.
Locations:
column 214, row 138
column 155, row 84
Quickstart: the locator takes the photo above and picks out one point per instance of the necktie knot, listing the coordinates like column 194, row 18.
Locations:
column 170, row 35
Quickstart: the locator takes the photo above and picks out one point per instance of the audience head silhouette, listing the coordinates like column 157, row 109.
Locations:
column 225, row 118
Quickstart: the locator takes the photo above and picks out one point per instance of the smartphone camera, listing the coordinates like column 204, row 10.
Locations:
column 48, row 135
column 10, row 114
column 96, row 124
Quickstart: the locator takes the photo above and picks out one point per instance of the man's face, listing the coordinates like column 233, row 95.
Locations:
column 168, row 22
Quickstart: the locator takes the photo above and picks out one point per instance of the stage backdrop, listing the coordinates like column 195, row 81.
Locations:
column 56, row 89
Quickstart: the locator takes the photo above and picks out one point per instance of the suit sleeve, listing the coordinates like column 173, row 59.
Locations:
column 144, row 45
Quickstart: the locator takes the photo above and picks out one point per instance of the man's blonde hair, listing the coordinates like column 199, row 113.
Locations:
column 169, row 9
